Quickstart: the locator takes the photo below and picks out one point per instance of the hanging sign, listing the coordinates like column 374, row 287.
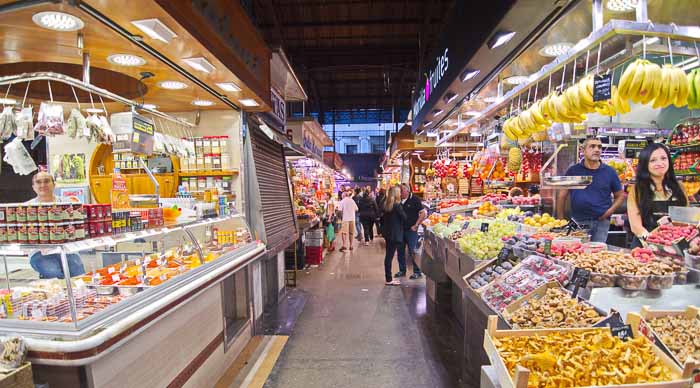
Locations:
column 602, row 87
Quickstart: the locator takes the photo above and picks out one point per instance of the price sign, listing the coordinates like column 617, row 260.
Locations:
column 580, row 279
column 465, row 225
column 110, row 270
column 547, row 247
column 614, row 320
column 115, row 278
column 602, row 87
column 163, row 277
column 622, row 332
column 451, row 219
column 484, row 227
column 503, row 255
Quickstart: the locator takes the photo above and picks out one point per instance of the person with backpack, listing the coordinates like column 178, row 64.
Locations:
column 368, row 214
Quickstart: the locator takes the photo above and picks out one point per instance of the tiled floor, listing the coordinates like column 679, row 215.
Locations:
column 352, row 331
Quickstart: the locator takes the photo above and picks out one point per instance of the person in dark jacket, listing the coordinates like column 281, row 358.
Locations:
column 381, row 197
column 368, row 214
column 394, row 221
column 358, row 223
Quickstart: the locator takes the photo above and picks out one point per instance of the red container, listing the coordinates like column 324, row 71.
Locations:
column 107, row 227
column 93, row 211
column 107, row 211
column 314, row 255
column 95, row 228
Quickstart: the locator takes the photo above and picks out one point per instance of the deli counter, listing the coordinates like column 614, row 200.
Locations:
column 130, row 299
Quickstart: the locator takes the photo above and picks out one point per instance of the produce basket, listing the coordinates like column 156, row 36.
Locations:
column 674, row 247
column 480, row 272
column 539, row 293
column 492, row 336
column 641, row 324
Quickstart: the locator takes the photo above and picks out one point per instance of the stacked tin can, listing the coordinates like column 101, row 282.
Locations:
column 46, row 223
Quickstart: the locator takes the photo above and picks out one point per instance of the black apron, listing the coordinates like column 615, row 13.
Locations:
column 659, row 209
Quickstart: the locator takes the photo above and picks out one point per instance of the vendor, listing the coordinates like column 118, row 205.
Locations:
column 655, row 189
column 592, row 207
column 515, row 192
column 49, row 265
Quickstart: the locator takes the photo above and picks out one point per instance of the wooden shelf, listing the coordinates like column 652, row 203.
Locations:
column 208, row 173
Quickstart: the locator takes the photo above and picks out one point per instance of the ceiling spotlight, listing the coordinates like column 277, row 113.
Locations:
column 469, row 74
column 155, row 29
column 248, row 102
column 622, row 5
column 202, row 103
column 472, row 113
column 437, row 112
column 126, row 60
column 58, row 21
column 149, row 106
column 199, row 64
column 516, row 79
column 449, row 97
column 172, row 85
column 500, row 38
column 229, row 86
column 8, row 101
column 555, row 49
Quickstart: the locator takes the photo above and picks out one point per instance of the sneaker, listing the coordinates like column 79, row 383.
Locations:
column 351, row 248
column 343, row 249
column 400, row 274
column 415, row 276
column 366, row 243
column 392, row 283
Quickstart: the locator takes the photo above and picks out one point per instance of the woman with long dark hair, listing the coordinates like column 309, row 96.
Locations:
column 394, row 220
column 655, row 190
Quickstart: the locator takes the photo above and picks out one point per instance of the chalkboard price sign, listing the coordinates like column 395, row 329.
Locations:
column 484, row 227
column 622, row 332
column 602, row 87
column 580, row 279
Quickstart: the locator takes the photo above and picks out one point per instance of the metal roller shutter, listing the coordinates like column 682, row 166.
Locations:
column 277, row 209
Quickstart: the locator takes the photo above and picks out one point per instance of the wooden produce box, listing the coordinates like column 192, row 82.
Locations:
column 19, row 378
column 538, row 293
column 640, row 326
column 520, row 378
column 676, row 248
column 452, row 259
column 481, row 267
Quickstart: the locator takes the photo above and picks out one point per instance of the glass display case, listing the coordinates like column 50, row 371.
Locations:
column 108, row 278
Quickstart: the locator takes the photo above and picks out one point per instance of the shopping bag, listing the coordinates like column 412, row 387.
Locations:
column 330, row 233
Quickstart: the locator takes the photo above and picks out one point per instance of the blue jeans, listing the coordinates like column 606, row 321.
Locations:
column 410, row 241
column 358, row 227
column 49, row 266
column 598, row 229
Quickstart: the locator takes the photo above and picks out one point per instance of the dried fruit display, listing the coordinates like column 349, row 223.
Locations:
column 583, row 358
column 555, row 309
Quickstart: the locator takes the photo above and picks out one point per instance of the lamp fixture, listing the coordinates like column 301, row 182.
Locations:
column 248, row 102
column 491, row 100
column 621, row 5
column 229, row 86
column 469, row 74
column 8, row 101
column 149, row 106
column 500, row 38
column 155, row 29
column 58, row 21
column 172, row 85
column 427, row 123
column 449, row 97
column 202, row 103
column 199, row 64
column 126, row 60
column 516, row 79
column 437, row 112
column 555, row 49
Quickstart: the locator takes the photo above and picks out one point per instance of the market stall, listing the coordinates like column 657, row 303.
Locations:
column 144, row 232
column 507, row 267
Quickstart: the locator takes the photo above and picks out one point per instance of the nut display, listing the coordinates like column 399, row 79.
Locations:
column 553, row 310
column 581, row 359
column 680, row 334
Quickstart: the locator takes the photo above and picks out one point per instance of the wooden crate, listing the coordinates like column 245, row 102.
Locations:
column 640, row 326
column 538, row 293
column 519, row 380
column 19, row 378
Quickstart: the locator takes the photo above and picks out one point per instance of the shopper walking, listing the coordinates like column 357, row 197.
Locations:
column 358, row 224
column 415, row 214
column 368, row 215
column 592, row 207
column 329, row 221
column 381, row 197
column 394, row 221
column 349, row 209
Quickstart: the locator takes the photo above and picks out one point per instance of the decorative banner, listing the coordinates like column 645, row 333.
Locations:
column 69, row 169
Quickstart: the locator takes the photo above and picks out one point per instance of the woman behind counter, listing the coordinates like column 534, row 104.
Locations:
column 655, row 190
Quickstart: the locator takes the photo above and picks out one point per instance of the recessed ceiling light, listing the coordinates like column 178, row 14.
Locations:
column 58, row 21
column 437, row 112
column 229, row 86
column 149, row 106
column 469, row 74
column 199, row 64
column 621, row 5
column 155, row 29
column 173, row 85
column 418, row 151
column 202, row 103
column 94, row 110
column 555, row 49
column 472, row 113
column 8, row 101
column 516, row 79
column 248, row 102
column 126, row 60
column 500, row 38
column 432, row 134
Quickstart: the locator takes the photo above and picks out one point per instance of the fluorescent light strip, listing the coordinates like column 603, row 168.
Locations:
column 200, row 64
column 229, row 86
column 248, row 102
column 155, row 29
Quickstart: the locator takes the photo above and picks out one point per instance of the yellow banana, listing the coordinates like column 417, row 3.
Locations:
column 621, row 105
column 515, row 128
column 652, row 82
column 585, row 92
column 662, row 100
column 680, row 99
column 692, row 91
column 626, row 79
column 637, row 82
column 537, row 114
column 573, row 100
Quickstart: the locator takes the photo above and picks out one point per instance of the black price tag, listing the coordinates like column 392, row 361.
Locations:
column 622, row 332
column 613, row 320
column 547, row 247
column 602, row 87
column 465, row 225
column 450, row 219
column 484, row 227
column 503, row 255
column 580, row 279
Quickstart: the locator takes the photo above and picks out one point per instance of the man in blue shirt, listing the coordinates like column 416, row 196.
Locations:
column 592, row 207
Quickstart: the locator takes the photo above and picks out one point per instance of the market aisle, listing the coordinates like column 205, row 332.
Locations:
column 356, row 332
